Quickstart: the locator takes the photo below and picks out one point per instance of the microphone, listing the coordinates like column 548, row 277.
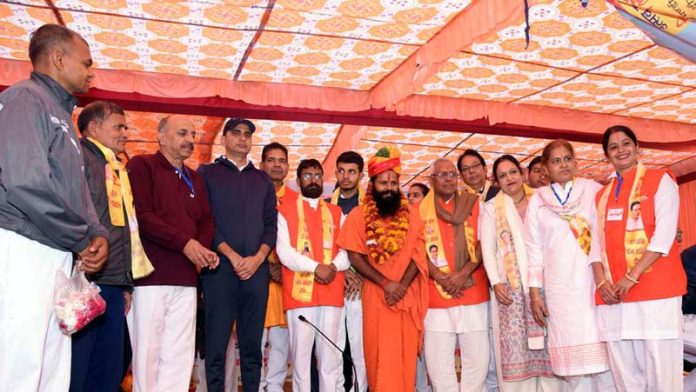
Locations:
column 345, row 356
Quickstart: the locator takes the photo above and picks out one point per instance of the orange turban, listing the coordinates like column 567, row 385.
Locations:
column 386, row 158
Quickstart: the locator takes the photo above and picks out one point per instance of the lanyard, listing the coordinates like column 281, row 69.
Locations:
column 618, row 186
column 563, row 202
column 186, row 176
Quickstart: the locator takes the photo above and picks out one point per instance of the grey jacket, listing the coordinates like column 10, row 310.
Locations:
column 117, row 269
column 43, row 191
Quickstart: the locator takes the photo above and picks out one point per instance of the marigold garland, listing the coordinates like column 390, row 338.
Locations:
column 384, row 239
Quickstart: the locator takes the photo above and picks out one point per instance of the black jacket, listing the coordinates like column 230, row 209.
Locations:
column 688, row 258
column 243, row 204
column 43, row 192
column 492, row 192
column 117, row 269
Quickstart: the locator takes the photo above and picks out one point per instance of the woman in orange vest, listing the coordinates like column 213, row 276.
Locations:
column 639, row 276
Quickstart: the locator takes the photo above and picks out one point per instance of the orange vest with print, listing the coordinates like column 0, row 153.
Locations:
column 322, row 295
column 275, row 315
column 666, row 277
column 476, row 294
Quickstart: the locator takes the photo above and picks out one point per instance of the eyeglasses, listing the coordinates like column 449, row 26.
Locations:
column 443, row 175
column 309, row 176
column 466, row 169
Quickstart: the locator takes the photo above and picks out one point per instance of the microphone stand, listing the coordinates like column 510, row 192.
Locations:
column 343, row 353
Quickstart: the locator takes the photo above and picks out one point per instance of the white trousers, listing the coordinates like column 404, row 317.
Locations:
column 231, row 380
column 353, row 323
column 162, row 326
column 439, row 360
column 598, row 382
column 278, row 339
column 690, row 382
column 34, row 353
column 199, row 374
column 647, row 365
column 421, row 375
column 302, row 335
column 492, row 382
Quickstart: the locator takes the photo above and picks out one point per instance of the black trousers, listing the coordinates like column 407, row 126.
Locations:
column 227, row 300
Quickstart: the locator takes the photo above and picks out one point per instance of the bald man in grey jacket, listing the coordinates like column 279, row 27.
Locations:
column 46, row 213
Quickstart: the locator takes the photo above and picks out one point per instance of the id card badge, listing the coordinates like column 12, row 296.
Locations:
column 440, row 262
column 615, row 215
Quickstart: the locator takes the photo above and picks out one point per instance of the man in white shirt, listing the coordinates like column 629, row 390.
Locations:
column 313, row 284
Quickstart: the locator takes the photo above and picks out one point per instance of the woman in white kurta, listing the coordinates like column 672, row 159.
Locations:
column 559, row 234
column 639, row 275
column 522, row 360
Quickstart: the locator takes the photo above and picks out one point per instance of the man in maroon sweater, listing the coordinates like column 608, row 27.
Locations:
column 177, row 229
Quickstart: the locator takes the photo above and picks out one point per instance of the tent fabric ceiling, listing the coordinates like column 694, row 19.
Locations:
column 584, row 68
column 419, row 148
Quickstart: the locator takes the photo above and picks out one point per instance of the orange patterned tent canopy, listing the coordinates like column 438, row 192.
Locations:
column 433, row 76
column 419, row 148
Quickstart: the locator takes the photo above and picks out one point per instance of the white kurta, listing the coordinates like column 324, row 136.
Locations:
column 645, row 338
column 559, row 266
column 657, row 319
column 495, row 269
column 294, row 260
column 34, row 353
column 326, row 318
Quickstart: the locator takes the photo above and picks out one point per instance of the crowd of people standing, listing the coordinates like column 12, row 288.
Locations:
column 545, row 280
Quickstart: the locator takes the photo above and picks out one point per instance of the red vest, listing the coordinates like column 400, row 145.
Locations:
column 476, row 294
column 322, row 295
column 666, row 278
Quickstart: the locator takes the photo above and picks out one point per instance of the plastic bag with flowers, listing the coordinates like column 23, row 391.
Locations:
column 77, row 301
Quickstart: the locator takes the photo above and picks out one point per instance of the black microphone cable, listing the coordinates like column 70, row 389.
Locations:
column 345, row 356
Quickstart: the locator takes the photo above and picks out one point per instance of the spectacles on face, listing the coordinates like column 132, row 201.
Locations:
column 567, row 159
column 443, row 175
column 467, row 169
column 310, row 176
